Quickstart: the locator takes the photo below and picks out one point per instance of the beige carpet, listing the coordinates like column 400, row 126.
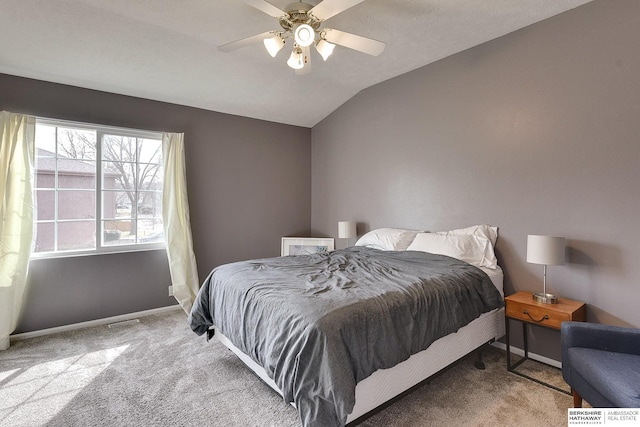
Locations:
column 158, row 373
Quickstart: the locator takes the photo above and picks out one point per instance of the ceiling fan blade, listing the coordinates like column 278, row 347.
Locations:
column 306, row 51
column 267, row 8
column 328, row 8
column 355, row 42
column 245, row 42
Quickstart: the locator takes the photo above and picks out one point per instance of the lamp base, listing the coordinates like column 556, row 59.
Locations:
column 545, row 298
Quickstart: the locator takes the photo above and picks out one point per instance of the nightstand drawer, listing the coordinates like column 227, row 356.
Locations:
column 522, row 306
column 539, row 315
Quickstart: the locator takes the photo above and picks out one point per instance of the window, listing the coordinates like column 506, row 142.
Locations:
column 97, row 188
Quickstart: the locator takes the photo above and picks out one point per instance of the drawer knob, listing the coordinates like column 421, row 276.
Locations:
column 545, row 317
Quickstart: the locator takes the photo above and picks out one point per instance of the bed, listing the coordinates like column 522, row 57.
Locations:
column 340, row 334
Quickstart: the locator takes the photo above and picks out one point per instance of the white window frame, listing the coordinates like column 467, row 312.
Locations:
column 100, row 247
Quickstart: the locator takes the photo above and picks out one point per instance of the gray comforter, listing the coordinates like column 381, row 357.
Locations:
column 318, row 324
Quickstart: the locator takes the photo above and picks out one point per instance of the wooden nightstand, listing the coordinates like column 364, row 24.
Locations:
column 522, row 307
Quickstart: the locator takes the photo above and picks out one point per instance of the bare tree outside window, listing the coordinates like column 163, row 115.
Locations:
column 137, row 195
column 76, row 144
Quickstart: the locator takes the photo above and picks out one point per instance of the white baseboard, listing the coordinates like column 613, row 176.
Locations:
column 97, row 322
column 534, row 356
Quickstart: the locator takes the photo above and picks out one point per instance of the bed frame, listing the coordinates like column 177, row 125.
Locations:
column 385, row 385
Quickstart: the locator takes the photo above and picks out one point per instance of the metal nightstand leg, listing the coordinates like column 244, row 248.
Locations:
column 512, row 367
column 525, row 340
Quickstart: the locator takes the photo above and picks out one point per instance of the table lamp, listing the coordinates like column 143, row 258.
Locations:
column 545, row 250
column 346, row 230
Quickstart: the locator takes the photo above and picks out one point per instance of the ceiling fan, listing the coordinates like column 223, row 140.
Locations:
column 302, row 23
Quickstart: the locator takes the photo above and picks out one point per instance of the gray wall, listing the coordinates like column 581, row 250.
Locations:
column 248, row 183
column 537, row 132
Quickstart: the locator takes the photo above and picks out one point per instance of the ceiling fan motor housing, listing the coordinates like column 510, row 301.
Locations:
column 298, row 13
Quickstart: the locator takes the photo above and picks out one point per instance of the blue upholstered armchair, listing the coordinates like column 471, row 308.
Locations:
column 601, row 363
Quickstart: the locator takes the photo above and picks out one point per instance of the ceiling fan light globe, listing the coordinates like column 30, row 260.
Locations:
column 296, row 60
column 304, row 35
column 274, row 45
column 324, row 48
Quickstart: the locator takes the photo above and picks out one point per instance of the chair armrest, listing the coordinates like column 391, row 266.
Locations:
column 602, row 337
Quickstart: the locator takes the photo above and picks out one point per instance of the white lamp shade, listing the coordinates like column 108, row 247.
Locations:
column 346, row 229
column 324, row 48
column 273, row 45
column 547, row 250
column 296, row 60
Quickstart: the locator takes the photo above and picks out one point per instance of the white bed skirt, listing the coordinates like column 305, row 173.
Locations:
column 385, row 384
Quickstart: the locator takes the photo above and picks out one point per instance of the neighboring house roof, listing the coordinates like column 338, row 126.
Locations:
column 46, row 163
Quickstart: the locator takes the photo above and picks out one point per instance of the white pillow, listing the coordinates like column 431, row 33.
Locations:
column 483, row 230
column 476, row 250
column 387, row 239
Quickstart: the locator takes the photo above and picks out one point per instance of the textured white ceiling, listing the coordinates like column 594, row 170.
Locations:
column 166, row 49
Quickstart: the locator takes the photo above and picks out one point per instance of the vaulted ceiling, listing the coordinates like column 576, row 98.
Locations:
column 166, row 50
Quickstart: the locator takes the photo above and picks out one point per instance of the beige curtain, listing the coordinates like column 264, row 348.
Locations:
column 177, row 226
column 17, row 133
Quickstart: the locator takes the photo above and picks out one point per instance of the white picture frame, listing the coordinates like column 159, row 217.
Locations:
column 306, row 245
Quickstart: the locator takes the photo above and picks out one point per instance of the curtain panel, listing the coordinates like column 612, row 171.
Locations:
column 17, row 134
column 177, row 225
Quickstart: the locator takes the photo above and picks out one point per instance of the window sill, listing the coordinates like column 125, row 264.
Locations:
column 102, row 251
